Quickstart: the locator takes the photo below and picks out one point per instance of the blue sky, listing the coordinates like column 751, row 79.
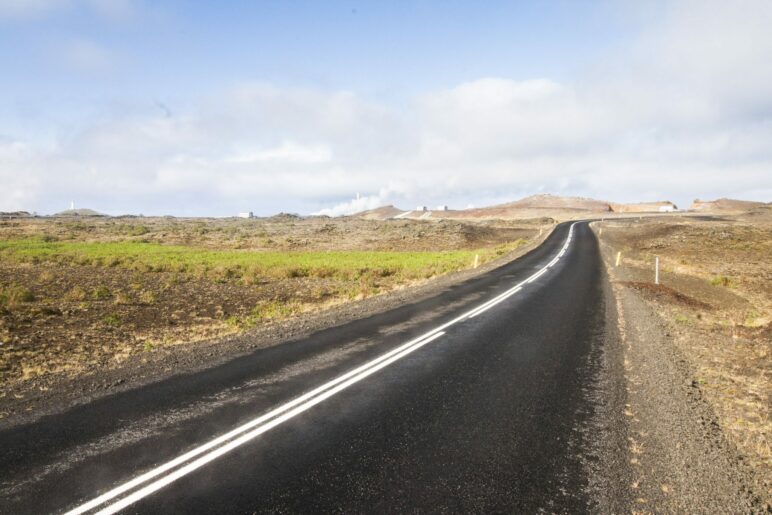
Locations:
column 203, row 108
column 373, row 47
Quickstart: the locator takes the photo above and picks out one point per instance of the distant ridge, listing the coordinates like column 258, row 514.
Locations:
column 379, row 213
column 534, row 206
column 79, row 212
column 549, row 201
column 554, row 206
column 279, row 217
column 643, row 207
column 725, row 204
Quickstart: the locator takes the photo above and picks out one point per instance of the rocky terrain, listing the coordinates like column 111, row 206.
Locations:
column 94, row 304
column 725, row 205
column 80, row 295
column 710, row 319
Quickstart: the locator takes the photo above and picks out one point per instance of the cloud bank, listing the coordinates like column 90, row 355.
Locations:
column 685, row 111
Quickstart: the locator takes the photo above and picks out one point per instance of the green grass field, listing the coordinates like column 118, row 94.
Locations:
column 227, row 265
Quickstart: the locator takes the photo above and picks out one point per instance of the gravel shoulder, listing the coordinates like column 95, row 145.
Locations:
column 605, row 433
column 681, row 460
column 45, row 395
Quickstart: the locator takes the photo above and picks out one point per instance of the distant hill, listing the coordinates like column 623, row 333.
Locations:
column 644, row 207
column 15, row 214
column 548, row 201
column 284, row 217
column 379, row 213
column 79, row 212
column 535, row 206
column 557, row 207
column 725, row 205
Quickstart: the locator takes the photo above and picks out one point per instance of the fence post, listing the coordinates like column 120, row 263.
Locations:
column 656, row 270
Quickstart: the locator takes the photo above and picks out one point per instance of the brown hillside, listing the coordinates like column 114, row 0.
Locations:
column 535, row 206
column 547, row 201
column 725, row 204
column 642, row 207
column 379, row 213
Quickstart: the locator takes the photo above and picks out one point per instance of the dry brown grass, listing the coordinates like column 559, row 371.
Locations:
column 69, row 304
column 716, row 292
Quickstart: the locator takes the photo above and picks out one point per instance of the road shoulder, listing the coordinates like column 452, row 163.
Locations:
column 680, row 459
column 607, row 458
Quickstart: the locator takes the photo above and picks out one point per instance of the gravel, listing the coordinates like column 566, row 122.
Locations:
column 680, row 460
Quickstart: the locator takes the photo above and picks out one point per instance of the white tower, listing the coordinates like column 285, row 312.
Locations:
column 72, row 204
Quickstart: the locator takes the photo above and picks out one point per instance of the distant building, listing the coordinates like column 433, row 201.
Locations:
column 422, row 208
column 442, row 208
column 667, row 209
column 246, row 215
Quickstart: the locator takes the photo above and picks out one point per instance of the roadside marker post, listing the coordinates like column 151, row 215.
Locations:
column 619, row 256
column 656, row 270
column 476, row 260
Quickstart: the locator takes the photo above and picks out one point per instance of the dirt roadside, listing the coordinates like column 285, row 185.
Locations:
column 40, row 396
column 685, row 452
column 78, row 293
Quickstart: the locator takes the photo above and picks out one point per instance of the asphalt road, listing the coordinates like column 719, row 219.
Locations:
column 484, row 413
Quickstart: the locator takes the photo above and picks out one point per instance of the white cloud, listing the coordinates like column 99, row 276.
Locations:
column 496, row 118
column 20, row 176
column 352, row 206
column 717, row 48
column 287, row 152
column 684, row 113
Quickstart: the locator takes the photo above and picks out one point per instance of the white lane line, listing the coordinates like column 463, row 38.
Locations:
column 115, row 492
column 494, row 300
column 403, row 215
column 486, row 308
column 200, row 462
column 537, row 275
column 286, row 411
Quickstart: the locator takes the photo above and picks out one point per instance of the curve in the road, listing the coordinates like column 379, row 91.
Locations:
column 198, row 457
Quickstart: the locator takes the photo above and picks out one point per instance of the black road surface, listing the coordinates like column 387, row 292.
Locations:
column 497, row 414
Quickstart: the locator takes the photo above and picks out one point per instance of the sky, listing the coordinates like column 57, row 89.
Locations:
column 202, row 108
